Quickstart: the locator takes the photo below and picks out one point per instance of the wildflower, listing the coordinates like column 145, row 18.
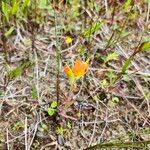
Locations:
column 78, row 70
column 69, row 73
column 68, row 40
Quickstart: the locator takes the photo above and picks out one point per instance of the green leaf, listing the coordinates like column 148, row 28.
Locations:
column 18, row 70
column 104, row 84
column 1, row 93
column 92, row 29
column 112, row 56
column 8, row 33
column 113, row 102
column 5, row 10
column 15, row 72
column 69, row 125
column 15, row 6
column 60, row 130
column 18, row 125
column 127, row 4
column 26, row 2
column 126, row 64
column 115, row 99
column 44, row 126
column 54, row 104
column 24, row 7
column 34, row 93
column 52, row 108
column 111, row 76
column 51, row 111
column 145, row 46
column 126, row 78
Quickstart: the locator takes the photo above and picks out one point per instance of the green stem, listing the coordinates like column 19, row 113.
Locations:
column 57, row 59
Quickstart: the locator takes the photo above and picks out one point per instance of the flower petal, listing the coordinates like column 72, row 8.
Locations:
column 79, row 68
column 69, row 73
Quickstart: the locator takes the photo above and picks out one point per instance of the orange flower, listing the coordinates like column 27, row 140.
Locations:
column 69, row 73
column 67, row 70
column 79, row 68
column 77, row 71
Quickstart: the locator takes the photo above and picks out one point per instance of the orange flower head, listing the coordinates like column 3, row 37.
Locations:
column 67, row 69
column 77, row 71
column 69, row 73
column 79, row 68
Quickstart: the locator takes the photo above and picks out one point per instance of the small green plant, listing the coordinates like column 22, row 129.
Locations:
column 18, row 125
column 69, row 125
column 113, row 102
column 111, row 56
column 112, row 77
column 52, row 109
column 104, row 84
column 60, row 130
column 92, row 29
